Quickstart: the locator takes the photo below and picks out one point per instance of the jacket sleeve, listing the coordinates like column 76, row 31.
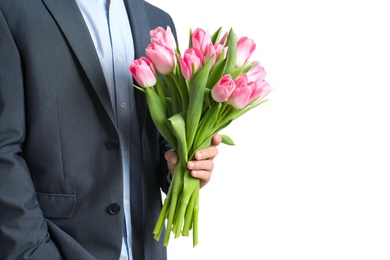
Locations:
column 23, row 230
column 159, row 17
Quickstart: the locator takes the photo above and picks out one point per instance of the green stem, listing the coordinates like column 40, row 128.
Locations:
column 163, row 214
column 189, row 186
column 160, row 92
column 195, row 227
column 180, row 218
column 226, row 112
column 179, row 89
column 189, row 214
column 176, row 186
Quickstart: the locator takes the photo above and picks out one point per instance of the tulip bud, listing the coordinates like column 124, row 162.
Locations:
column 223, row 89
column 163, row 58
column 143, row 72
column 256, row 73
column 163, row 37
column 260, row 90
column 240, row 97
column 190, row 62
column 245, row 49
column 201, row 39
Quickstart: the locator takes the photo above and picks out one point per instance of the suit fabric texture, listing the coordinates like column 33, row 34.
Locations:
column 61, row 187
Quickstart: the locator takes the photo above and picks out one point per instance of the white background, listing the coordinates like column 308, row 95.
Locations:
column 308, row 177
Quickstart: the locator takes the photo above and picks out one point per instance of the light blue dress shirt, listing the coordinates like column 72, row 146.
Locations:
column 110, row 30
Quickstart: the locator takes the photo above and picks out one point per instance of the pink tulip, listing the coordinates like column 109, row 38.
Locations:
column 143, row 72
column 163, row 58
column 256, row 73
column 215, row 50
column 224, row 38
column 259, row 91
column 190, row 62
column 163, row 37
column 223, row 89
column 245, row 49
column 241, row 96
column 261, row 88
column 201, row 39
column 219, row 49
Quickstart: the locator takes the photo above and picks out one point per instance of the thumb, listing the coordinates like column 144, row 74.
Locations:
column 172, row 159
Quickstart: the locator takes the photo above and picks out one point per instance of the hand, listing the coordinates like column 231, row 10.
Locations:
column 203, row 166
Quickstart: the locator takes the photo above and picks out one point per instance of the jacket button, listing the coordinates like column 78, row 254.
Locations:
column 114, row 209
column 113, row 143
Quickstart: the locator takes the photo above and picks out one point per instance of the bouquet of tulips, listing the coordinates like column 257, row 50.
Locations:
column 191, row 96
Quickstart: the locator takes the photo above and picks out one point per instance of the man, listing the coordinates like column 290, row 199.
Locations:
column 81, row 164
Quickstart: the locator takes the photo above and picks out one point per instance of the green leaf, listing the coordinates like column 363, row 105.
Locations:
column 207, row 100
column 206, row 126
column 190, row 39
column 222, row 125
column 182, row 84
column 239, row 112
column 216, row 73
column 178, row 127
column 159, row 116
column 197, row 89
column 231, row 53
column 169, row 106
column 215, row 36
column 227, row 140
column 160, row 90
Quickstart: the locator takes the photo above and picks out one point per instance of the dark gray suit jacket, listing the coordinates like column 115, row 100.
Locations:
column 60, row 162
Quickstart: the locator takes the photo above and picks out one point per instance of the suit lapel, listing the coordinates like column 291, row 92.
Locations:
column 140, row 30
column 139, row 27
column 71, row 22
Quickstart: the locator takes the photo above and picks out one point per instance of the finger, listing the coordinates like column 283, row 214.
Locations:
column 172, row 160
column 202, row 165
column 217, row 139
column 203, row 176
column 208, row 153
column 171, row 157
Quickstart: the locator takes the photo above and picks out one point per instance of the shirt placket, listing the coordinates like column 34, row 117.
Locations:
column 122, row 83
